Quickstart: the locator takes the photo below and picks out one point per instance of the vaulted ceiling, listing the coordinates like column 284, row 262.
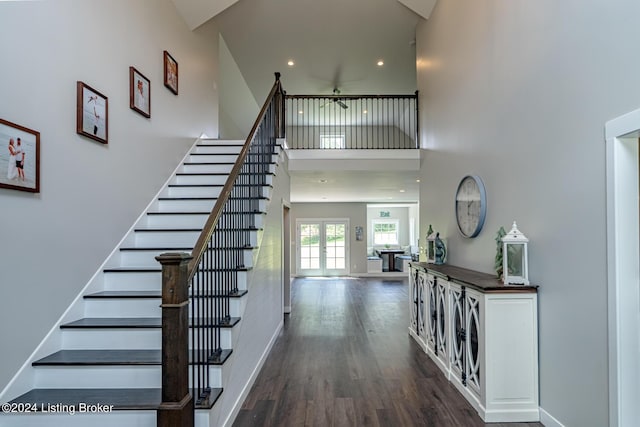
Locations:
column 332, row 43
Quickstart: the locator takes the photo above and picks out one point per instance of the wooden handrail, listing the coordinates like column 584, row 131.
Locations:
column 209, row 227
column 352, row 96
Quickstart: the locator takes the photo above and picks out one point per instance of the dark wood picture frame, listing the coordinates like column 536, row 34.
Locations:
column 92, row 113
column 26, row 175
column 170, row 73
column 139, row 92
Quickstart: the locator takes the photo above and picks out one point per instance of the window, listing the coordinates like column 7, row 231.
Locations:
column 331, row 141
column 385, row 232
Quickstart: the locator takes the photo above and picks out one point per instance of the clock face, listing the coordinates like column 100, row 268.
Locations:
column 471, row 205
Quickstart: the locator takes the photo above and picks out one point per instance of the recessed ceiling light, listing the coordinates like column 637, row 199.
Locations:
column 365, row 112
column 380, row 63
column 402, row 191
column 323, row 181
column 300, row 112
column 417, row 180
column 290, row 63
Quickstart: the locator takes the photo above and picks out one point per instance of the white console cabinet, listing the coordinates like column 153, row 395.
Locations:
column 482, row 334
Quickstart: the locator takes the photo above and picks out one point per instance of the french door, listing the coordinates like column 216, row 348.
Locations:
column 322, row 247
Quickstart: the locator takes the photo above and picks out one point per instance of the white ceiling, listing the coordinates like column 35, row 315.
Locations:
column 354, row 186
column 334, row 43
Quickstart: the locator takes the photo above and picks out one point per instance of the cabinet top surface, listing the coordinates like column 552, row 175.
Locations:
column 482, row 281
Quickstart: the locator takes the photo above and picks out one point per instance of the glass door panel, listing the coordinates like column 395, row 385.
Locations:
column 322, row 248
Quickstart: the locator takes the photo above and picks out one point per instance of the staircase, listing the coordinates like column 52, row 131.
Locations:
column 101, row 366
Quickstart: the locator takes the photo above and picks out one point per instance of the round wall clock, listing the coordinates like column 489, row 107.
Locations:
column 471, row 205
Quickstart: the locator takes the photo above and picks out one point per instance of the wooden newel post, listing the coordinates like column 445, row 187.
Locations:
column 176, row 409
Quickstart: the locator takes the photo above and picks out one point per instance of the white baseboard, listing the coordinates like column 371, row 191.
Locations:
column 252, row 379
column 547, row 420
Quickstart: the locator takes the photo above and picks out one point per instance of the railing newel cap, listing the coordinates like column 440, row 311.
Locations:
column 173, row 257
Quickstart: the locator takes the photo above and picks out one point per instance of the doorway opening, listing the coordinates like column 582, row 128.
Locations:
column 623, row 268
column 322, row 247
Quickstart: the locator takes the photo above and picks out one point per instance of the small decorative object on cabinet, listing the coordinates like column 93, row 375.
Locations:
column 441, row 250
column 499, row 254
column 431, row 246
column 515, row 265
column 482, row 334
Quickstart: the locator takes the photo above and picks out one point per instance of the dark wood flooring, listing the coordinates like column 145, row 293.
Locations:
column 345, row 358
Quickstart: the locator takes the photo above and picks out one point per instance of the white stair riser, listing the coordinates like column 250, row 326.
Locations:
column 142, row 258
column 125, row 376
column 125, row 307
column 206, row 168
column 120, row 281
column 166, row 238
column 147, row 258
column 191, row 192
column 113, row 307
column 213, row 158
column 184, row 205
column 115, row 418
column 217, row 142
column 177, row 221
column 211, row 149
column 125, row 339
column 200, row 179
column 98, row 377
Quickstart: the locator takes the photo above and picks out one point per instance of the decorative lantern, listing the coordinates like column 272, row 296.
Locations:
column 515, row 269
column 431, row 245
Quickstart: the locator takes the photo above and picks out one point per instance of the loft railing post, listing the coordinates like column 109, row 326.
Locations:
column 278, row 103
column 417, row 122
column 176, row 409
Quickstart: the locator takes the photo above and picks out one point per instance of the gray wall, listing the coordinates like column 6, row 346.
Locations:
column 53, row 242
column 357, row 215
column 518, row 92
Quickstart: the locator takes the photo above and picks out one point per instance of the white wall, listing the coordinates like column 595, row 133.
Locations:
column 238, row 107
column 518, row 92
column 51, row 243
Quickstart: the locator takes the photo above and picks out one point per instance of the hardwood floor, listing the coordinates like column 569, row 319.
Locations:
column 345, row 358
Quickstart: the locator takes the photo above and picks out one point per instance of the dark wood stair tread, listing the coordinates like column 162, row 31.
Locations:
column 118, row 357
column 120, row 398
column 149, row 294
column 159, row 269
column 137, row 322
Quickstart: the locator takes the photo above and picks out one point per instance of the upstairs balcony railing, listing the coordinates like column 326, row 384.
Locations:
column 352, row 121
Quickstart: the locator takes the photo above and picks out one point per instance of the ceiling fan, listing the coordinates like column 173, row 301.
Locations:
column 338, row 101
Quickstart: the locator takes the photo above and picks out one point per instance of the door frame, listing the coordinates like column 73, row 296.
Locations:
column 322, row 221
column 622, row 167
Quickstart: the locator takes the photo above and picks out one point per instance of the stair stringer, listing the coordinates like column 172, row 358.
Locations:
column 25, row 379
column 262, row 319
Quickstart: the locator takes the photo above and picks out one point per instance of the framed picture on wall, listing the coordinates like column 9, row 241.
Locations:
column 19, row 157
column 170, row 73
column 92, row 113
column 139, row 92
